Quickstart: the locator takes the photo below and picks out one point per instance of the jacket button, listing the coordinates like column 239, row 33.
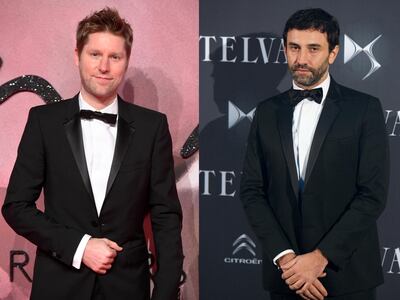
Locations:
column 95, row 224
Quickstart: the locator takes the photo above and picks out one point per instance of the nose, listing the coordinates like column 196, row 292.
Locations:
column 104, row 65
column 302, row 58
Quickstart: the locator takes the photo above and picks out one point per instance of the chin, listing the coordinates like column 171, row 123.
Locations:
column 304, row 82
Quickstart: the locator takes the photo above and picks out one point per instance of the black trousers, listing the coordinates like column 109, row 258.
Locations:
column 364, row 295
column 97, row 293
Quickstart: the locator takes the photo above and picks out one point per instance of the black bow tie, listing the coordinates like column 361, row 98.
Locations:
column 297, row 96
column 90, row 114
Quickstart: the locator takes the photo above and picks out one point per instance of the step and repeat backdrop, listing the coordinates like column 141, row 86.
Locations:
column 242, row 62
column 38, row 39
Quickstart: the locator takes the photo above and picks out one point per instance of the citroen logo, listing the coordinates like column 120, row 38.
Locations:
column 243, row 242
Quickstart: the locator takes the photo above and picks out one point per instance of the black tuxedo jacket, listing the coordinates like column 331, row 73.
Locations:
column 51, row 156
column 345, row 188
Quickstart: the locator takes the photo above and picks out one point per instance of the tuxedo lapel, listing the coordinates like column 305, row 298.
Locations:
column 285, row 117
column 124, row 135
column 328, row 116
column 73, row 130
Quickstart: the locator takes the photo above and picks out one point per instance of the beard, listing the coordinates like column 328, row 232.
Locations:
column 310, row 79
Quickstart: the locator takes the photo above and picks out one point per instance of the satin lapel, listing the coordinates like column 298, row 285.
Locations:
column 328, row 116
column 285, row 119
column 73, row 130
column 124, row 136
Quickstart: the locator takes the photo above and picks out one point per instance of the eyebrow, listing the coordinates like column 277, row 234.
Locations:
column 100, row 51
column 314, row 45
column 308, row 45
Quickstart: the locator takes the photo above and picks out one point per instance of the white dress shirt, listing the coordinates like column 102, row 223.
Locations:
column 305, row 119
column 99, row 143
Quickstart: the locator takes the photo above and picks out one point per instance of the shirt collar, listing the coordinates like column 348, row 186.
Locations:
column 324, row 85
column 110, row 109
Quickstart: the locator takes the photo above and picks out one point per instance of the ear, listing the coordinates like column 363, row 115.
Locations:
column 127, row 64
column 76, row 57
column 333, row 54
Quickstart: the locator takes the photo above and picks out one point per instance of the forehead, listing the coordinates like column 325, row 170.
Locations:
column 307, row 37
column 105, row 41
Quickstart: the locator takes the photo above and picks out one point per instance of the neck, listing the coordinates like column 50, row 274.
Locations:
column 97, row 103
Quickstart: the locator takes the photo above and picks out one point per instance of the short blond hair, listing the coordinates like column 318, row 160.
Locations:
column 105, row 20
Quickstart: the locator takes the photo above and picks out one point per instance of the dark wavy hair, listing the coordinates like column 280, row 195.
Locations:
column 105, row 20
column 316, row 19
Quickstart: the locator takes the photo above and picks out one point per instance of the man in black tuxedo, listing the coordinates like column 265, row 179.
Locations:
column 315, row 175
column 102, row 164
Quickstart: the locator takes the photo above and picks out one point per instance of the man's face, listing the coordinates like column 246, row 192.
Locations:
column 308, row 56
column 102, row 66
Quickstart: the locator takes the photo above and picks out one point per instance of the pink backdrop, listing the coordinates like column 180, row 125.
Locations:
column 38, row 37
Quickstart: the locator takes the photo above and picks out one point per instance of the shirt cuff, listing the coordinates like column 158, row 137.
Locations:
column 283, row 253
column 77, row 260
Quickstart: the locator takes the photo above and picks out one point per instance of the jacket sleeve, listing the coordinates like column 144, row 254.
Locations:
column 372, row 185
column 166, row 217
column 255, row 200
column 25, row 185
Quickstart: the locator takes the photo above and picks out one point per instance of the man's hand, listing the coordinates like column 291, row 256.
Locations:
column 99, row 254
column 314, row 291
column 301, row 273
column 285, row 259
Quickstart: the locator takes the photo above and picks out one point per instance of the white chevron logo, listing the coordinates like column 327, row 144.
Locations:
column 244, row 242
